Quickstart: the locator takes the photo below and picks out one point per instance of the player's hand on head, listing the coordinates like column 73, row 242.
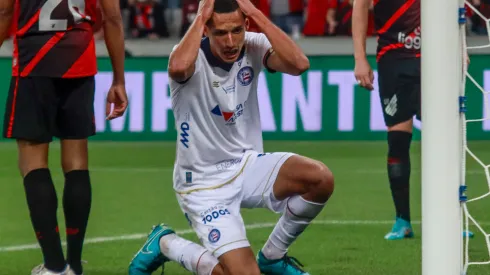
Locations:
column 247, row 7
column 206, row 9
column 118, row 98
column 364, row 74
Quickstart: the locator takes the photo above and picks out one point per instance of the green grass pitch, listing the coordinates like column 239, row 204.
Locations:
column 132, row 190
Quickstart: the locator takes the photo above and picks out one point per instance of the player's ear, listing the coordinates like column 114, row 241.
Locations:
column 247, row 23
column 206, row 30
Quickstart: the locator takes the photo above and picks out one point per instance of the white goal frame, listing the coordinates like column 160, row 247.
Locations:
column 441, row 77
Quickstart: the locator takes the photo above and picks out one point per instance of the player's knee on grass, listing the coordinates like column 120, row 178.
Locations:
column 239, row 261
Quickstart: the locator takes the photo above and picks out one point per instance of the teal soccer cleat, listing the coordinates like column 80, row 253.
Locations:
column 284, row 266
column 149, row 258
column 401, row 229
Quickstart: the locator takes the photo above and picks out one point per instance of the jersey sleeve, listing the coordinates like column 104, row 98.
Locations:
column 196, row 70
column 261, row 47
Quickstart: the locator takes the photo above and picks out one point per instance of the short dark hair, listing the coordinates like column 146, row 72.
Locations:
column 225, row 6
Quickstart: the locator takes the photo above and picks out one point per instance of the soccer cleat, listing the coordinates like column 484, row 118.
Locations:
column 284, row 266
column 468, row 234
column 149, row 258
column 401, row 229
column 42, row 270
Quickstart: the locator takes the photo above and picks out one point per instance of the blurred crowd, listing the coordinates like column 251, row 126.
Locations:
column 159, row 19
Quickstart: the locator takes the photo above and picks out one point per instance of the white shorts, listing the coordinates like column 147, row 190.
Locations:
column 215, row 214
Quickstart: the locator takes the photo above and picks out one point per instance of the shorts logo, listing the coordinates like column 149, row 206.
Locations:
column 245, row 76
column 214, row 215
column 229, row 117
column 188, row 177
column 391, row 105
column 214, row 236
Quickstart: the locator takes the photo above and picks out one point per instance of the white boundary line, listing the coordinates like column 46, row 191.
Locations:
column 169, row 169
column 188, row 231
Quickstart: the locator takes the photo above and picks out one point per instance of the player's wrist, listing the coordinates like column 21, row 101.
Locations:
column 258, row 17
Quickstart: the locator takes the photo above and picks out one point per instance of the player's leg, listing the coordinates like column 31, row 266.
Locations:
column 290, row 184
column 75, row 125
column 300, row 189
column 29, row 118
column 399, row 86
column 215, row 217
column 164, row 245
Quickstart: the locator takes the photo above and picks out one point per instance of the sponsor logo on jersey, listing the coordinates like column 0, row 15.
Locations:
column 229, row 89
column 245, row 76
column 229, row 117
column 412, row 40
column 184, row 128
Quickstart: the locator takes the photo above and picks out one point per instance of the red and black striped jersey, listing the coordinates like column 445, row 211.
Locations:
column 397, row 25
column 54, row 38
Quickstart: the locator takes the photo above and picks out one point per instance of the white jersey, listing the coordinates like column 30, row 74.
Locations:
column 217, row 116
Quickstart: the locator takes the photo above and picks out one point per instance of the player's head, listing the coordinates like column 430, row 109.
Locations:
column 226, row 30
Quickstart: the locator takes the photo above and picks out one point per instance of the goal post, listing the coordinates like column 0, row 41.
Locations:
column 441, row 67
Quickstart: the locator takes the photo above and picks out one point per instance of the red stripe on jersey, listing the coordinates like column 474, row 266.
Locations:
column 29, row 24
column 12, row 113
column 396, row 16
column 41, row 53
column 85, row 65
column 375, row 2
column 388, row 48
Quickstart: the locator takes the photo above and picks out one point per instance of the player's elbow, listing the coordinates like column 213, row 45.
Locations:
column 178, row 71
column 302, row 64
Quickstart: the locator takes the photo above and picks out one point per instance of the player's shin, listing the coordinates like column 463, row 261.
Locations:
column 191, row 256
column 399, row 171
column 77, row 200
column 43, row 203
column 297, row 216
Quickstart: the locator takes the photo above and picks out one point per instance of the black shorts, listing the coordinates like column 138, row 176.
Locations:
column 399, row 89
column 40, row 108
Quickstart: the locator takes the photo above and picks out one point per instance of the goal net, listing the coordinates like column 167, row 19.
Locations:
column 471, row 181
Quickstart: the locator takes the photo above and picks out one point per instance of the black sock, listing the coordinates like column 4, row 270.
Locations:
column 399, row 171
column 77, row 200
column 43, row 204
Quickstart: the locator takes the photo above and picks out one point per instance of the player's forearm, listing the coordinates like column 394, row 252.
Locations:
column 114, row 39
column 359, row 27
column 288, row 51
column 6, row 14
column 183, row 58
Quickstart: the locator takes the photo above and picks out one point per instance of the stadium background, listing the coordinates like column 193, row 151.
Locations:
column 322, row 114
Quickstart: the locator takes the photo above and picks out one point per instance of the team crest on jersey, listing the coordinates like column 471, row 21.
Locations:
column 245, row 76
column 229, row 117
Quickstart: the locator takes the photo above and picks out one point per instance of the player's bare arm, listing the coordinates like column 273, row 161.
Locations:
column 6, row 14
column 114, row 39
column 363, row 72
column 182, row 61
column 287, row 57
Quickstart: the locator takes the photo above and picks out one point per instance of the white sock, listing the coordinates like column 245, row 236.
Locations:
column 191, row 256
column 297, row 216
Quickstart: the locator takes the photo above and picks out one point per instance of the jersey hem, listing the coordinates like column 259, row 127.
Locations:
column 231, row 180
